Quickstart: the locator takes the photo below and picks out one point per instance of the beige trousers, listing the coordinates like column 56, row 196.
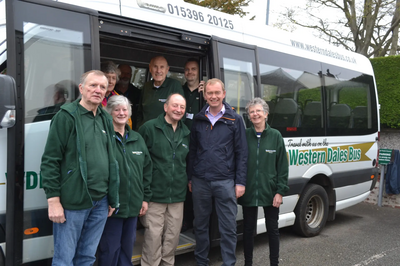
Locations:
column 162, row 224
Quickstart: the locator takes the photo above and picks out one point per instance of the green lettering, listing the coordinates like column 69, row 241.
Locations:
column 293, row 157
column 321, row 157
column 330, row 155
column 314, row 157
column 301, row 156
column 31, row 180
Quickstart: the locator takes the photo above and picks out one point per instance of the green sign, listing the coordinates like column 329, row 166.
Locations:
column 384, row 156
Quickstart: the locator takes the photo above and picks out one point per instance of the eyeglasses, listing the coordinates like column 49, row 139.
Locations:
column 258, row 111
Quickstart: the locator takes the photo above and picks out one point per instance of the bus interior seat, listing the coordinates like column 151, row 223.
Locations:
column 312, row 115
column 339, row 116
column 286, row 113
column 360, row 117
column 246, row 120
column 271, row 105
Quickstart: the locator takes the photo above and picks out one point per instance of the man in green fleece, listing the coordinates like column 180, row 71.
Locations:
column 156, row 91
column 167, row 140
column 80, row 173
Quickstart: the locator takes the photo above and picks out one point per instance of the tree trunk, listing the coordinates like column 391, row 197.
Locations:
column 395, row 32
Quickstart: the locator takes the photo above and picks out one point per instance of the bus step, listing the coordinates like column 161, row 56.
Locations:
column 186, row 244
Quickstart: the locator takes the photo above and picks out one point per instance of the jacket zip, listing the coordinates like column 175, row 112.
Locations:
column 173, row 161
column 258, row 152
column 129, row 169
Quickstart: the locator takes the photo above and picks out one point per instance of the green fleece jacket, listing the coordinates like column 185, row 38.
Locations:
column 169, row 179
column 152, row 99
column 64, row 168
column 135, row 168
column 267, row 167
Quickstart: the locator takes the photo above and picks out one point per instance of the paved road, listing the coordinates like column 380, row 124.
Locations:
column 361, row 235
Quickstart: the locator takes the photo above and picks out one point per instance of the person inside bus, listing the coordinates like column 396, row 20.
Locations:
column 80, row 173
column 266, row 182
column 156, row 91
column 167, row 139
column 216, row 171
column 112, row 73
column 192, row 89
column 135, row 169
column 126, row 88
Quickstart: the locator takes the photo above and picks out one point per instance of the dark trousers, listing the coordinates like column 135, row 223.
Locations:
column 250, row 221
column 223, row 192
column 116, row 244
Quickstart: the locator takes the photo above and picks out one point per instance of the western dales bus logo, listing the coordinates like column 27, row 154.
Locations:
column 338, row 154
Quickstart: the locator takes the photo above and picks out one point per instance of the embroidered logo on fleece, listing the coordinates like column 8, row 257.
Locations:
column 137, row 152
column 270, row 151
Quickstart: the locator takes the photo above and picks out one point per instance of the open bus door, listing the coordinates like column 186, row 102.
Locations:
column 49, row 46
column 125, row 40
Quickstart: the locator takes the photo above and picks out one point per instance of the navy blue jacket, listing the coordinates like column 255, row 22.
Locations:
column 218, row 152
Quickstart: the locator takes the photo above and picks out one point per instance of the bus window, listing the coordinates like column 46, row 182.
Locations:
column 237, row 67
column 294, row 97
column 139, row 76
column 51, row 80
column 292, row 87
column 351, row 104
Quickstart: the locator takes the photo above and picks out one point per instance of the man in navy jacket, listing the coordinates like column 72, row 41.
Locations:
column 217, row 170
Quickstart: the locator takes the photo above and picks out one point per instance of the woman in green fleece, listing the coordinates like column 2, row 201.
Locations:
column 135, row 170
column 267, row 177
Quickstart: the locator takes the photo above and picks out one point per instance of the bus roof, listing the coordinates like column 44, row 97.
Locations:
column 193, row 18
column 189, row 17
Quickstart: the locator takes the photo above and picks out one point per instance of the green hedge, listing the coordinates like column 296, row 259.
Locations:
column 387, row 75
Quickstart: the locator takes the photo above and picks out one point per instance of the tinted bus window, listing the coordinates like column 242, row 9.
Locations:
column 292, row 87
column 54, row 61
column 351, row 105
column 237, row 67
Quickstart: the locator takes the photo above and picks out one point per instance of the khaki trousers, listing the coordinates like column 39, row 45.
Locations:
column 162, row 223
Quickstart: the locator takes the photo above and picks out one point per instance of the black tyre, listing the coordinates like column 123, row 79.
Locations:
column 311, row 211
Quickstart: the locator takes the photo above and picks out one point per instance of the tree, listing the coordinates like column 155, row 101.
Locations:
column 233, row 7
column 368, row 27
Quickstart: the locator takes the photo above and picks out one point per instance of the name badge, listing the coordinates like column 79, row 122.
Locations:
column 189, row 116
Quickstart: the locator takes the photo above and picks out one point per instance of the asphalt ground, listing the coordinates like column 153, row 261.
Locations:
column 362, row 235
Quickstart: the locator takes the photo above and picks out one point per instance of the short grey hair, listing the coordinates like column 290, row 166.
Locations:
column 256, row 101
column 110, row 67
column 116, row 100
column 94, row 72
column 169, row 98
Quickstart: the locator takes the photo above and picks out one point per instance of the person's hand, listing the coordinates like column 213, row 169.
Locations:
column 144, row 208
column 56, row 210
column 190, row 186
column 110, row 211
column 201, row 86
column 239, row 190
column 277, row 201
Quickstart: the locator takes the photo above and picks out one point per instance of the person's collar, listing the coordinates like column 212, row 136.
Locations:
column 162, row 84
column 222, row 111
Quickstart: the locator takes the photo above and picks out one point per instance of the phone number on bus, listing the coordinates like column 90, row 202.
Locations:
column 195, row 15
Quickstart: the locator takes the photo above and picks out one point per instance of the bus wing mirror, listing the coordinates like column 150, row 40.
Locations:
column 8, row 99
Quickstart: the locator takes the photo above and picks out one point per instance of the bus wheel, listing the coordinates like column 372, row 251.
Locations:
column 311, row 211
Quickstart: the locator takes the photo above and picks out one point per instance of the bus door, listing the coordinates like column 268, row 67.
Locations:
column 49, row 46
column 235, row 64
column 128, row 41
